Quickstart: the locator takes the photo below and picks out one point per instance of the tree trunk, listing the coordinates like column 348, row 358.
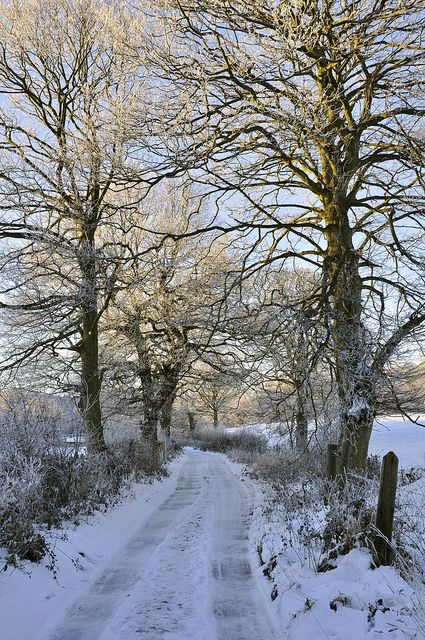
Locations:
column 150, row 434
column 356, row 429
column 343, row 287
column 91, row 379
column 91, row 384
column 192, row 420
column 215, row 417
column 166, row 414
column 151, row 396
column 149, row 426
column 168, row 389
column 301, row 420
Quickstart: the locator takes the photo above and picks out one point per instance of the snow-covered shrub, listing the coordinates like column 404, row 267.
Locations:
column 43, row 481
column 20, row 490
column 282, row 465
column 315, row 544
column 28, row 435
column 411, row 475
column 132, row 457
column 240, row 444
column 408, row 540
column 294, row 517
column 37, row 495
column 349, row 516
column 74, row 485
column 409, row 524
column 320, row 520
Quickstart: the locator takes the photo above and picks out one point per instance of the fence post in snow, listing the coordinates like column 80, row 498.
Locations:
column 385, row 510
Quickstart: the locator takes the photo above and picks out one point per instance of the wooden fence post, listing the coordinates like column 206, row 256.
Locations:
column 385, row 510
column 332, row 461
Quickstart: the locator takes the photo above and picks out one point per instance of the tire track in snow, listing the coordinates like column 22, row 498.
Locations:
column 186, row 575
column 238, row 606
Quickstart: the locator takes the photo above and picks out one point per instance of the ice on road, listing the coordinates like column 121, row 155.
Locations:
column 189, row 573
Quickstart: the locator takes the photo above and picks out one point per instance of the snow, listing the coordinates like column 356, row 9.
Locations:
column 173, row 563
column 353, row 601
column 340, row 604
column 33, row 600
column 275, row 433
column 358, row 405
column 390, row 433
column 179, row 561
column 405, row 438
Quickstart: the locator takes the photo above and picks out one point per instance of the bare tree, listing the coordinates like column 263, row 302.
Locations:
column 164, row 314
column 66, row 130
column 294, row 344
column 211, row 392
column 284, row 347
column 304, row 117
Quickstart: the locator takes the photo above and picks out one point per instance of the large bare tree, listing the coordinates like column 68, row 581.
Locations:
column 304, row 117
column 66, row 171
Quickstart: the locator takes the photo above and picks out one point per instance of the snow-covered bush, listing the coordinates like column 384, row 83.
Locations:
column 282, row 465
column 239, row 444
column 133, row 457
column 20, row 489
column 44, row 481
column 408, row 537
column 37, row 495
column 312, row 533
column 319, row 519
column 349, row 516
column 27, row 433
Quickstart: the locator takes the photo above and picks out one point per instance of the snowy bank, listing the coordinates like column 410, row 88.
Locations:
column 354, row 600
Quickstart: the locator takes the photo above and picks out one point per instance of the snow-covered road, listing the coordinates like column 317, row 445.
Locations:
column 188, row 573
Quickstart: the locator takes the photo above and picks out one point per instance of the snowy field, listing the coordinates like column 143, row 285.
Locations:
column 390, row 433
column 406, row 439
